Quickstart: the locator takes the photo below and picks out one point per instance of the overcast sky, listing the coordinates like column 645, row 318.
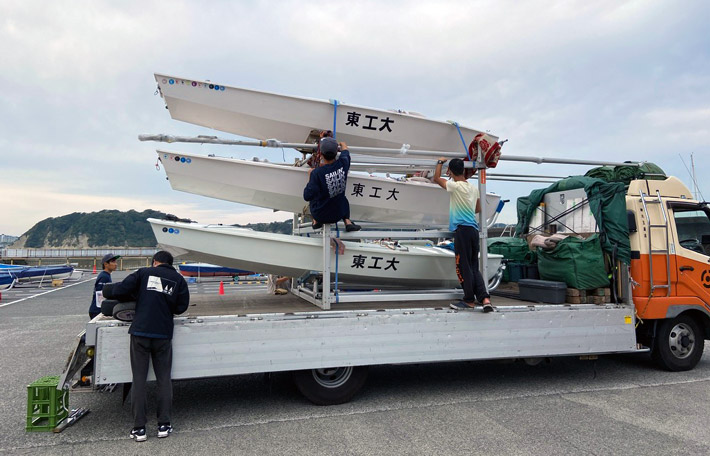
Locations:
column 587, row 79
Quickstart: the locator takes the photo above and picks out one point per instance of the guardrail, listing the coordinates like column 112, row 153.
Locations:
column 73, row 253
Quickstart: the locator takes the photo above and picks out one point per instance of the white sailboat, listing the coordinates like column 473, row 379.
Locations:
column 263, row 115
column 370, row 263
column 280, row 187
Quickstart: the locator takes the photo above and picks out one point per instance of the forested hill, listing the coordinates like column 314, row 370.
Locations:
column 108, row 228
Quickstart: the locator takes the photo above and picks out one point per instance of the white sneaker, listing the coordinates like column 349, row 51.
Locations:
column 138, row 434
column 164, row 430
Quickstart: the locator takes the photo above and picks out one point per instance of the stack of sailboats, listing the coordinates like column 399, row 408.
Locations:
column 264, row 115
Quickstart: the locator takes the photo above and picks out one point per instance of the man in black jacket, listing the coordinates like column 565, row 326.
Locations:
column 160, row 292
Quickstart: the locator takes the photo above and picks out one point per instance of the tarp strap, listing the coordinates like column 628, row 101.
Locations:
column 465, row 148
column 335, row 118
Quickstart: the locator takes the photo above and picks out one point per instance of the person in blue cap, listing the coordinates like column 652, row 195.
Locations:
column 325, row 191
column 108, row 264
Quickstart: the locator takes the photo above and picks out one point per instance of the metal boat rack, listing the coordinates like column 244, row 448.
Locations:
column 375, row 159
column 323, row 294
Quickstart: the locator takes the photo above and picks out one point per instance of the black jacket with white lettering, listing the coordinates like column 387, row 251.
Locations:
column 325, row 191
column 160, row 292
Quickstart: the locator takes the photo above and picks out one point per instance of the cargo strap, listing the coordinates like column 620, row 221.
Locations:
column 337, row 230
column 337, row 248
column 465, row 148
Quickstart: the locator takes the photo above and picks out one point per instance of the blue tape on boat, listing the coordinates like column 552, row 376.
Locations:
column 335, row 116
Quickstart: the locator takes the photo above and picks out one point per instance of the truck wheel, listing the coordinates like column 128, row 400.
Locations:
column 330, row 386
column 679, row 344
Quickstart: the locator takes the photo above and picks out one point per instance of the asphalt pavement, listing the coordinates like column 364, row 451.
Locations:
column 615, row 405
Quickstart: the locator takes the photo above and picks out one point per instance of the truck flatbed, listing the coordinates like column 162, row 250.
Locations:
column 252, row 303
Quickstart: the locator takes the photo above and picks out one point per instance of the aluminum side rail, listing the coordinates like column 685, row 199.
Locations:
column 231, row 345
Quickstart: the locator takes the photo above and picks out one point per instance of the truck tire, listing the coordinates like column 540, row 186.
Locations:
column 330, row 386
column 124, row 311
column 679, row 344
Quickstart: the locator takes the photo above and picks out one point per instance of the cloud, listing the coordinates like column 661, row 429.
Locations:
column 690, row 125
column 605, row 79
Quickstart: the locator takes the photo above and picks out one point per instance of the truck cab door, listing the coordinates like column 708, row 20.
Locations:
column 692, row 232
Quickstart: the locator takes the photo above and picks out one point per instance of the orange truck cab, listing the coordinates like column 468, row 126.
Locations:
column 669, row 233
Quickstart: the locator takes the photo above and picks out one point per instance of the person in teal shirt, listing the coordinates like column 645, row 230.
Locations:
column 464, row 203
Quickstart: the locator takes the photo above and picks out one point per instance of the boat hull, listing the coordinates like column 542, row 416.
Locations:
column 44, row 273
column 409, row 266
column 264, row 115
column 6, row 281
column 210, row 270
column 280, row 187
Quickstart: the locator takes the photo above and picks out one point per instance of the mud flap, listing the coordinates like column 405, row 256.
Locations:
column 76, row 361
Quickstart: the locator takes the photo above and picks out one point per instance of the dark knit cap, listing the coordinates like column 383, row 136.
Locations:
column 329, row 148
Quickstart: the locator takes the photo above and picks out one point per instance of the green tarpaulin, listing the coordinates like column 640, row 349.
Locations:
column 577, row 262
column 512, row 248
column 603, row 172
column 607, row 201
column 626, row 174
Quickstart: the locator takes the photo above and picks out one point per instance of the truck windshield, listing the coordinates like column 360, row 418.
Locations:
column 693, row 228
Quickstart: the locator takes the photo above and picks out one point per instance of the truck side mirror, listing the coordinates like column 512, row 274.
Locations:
column 631, row 220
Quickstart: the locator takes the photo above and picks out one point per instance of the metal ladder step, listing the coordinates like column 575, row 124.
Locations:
column 651, row 250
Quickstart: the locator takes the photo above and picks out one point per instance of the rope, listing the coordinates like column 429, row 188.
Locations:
column 468, row 153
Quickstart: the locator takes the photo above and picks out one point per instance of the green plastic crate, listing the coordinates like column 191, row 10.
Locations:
column 46, row 405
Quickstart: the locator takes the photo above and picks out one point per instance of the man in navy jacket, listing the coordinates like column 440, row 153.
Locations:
column 160, row 293
column 108, row 265
column 325, row 191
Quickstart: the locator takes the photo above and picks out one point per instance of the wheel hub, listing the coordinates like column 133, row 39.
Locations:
column 332, row 377
column 681, row 341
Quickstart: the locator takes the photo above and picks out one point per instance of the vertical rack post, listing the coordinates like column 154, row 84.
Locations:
column 482, row 221
column 326, row 297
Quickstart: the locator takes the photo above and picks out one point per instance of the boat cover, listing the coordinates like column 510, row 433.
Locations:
column 607, row 201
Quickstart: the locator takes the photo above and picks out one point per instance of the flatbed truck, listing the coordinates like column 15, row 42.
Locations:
column 663, row 307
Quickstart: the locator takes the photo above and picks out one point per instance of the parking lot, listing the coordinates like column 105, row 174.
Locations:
column 616, row 405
